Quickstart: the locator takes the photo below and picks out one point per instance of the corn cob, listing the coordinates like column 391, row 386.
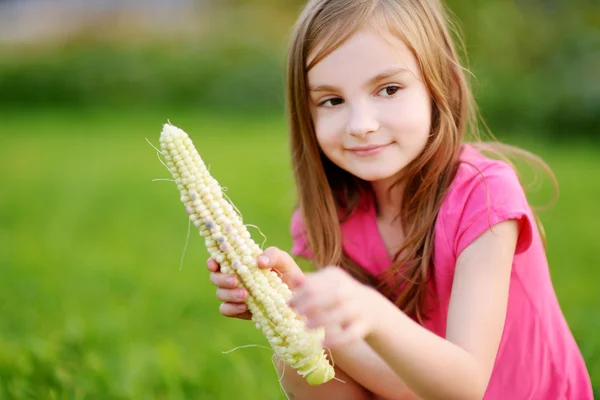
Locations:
column 229, row 242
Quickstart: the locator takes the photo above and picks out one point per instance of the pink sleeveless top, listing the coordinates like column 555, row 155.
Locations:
column 538, row 357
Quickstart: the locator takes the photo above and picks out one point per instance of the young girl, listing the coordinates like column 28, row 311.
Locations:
column 432, row 280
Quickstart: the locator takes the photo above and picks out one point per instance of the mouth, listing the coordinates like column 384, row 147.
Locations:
column 369, row 150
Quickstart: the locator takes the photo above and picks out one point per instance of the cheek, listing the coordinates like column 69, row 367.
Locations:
column 412, row 118
column 328, row 144
column 327, row 130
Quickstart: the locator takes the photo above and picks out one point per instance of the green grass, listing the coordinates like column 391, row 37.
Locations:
column 93, row 303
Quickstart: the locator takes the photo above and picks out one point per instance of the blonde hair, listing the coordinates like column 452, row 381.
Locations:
column 328, row 194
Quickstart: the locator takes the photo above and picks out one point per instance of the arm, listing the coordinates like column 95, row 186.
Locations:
column 364, row 374
column 460, row 366
column 457, row 367
column 296, row 387
column 363, row 365
column 368, row 368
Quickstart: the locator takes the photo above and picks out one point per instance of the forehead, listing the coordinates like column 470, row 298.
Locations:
column 362, row 55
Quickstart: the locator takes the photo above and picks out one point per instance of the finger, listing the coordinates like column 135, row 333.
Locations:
column 224, row 280
column 349, row 333
column 235, row 310
column 331, row 316
column 283, row 263
column 307, row 308
column 273, row 257
column 314, row 293
column 329, row 286
column 302, row 297
column 331, row 331
column 232, row 295
column 212, row 265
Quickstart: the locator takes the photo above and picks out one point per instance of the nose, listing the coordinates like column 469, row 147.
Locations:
column 362, row 120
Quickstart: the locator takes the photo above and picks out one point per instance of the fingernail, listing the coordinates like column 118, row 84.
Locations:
column 264, row 260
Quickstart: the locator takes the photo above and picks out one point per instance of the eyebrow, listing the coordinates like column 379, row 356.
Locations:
column 380, row 76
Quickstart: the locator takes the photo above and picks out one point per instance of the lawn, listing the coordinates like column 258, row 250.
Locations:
column 94, row 299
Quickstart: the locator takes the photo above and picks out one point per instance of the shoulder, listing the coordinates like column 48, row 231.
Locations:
column 484, row 192
column 475, row 168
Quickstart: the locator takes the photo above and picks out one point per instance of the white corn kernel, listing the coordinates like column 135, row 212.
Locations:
column 228, row 241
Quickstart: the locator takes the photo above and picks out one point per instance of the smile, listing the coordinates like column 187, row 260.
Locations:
column 365, row 151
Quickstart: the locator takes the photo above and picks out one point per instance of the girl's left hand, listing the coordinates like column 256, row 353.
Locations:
column 333, row 299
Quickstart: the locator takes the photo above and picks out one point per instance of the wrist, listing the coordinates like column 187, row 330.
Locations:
column 377, row 305
column 384, row 315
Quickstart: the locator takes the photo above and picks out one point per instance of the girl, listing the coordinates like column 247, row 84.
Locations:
column 432, row 280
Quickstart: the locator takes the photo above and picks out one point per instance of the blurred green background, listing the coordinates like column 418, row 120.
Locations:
column 93, row 302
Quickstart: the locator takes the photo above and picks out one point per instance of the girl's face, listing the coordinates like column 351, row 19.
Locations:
column 369, row 105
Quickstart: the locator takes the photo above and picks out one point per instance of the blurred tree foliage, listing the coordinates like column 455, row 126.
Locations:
column 536, row 64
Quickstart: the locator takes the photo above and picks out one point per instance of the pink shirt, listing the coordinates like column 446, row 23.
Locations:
column 538, row 357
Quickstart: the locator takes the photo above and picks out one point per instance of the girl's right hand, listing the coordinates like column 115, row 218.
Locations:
column 234, row 297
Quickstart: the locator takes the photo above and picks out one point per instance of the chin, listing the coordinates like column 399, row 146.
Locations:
column 376, row 176
column 379, row 171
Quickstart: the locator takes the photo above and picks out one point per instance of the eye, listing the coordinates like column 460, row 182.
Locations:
column 389, row 90
column 334, row 101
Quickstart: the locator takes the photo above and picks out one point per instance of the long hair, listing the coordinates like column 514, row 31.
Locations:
column 326, row 193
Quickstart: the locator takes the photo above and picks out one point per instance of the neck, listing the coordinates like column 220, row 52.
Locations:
column 387, row 201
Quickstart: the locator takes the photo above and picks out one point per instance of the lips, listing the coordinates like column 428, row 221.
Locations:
column 368, row 150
